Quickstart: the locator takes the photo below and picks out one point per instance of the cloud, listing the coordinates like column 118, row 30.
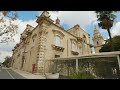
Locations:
column 22, row 26
column 72, row 18
column 116, row 29
column 6, row 49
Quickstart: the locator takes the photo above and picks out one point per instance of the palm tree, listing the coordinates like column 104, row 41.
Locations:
column 106, row 20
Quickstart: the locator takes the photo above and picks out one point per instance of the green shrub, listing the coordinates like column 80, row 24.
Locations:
column 82, row 75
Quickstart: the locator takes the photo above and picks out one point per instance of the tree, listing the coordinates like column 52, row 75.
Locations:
column 106, row 20
column 116, row 42
column 8, row 61
column 7, row 25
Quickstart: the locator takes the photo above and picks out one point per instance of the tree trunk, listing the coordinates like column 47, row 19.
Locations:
column 111, row 41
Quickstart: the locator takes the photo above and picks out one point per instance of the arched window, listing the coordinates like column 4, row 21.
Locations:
column 57, row 41
column 84, row 39
column 97, row 43
column 74, row 47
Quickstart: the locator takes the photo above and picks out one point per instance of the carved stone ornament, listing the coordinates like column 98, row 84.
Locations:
column 57, row 48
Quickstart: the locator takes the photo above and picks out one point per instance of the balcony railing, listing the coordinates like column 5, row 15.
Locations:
column 75, row 52
column 79, row 39
column 58, row 48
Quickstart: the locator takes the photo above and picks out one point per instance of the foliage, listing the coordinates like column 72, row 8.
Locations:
column 8, row 26
column 106, row 18
column 105, row 69
column 7, row 61
column 107, row 46
column 82, row 75
column 100, row 67
column 102, row 14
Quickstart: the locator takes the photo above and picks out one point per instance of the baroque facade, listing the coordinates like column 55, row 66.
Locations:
column 98, row 40
column 48, row 40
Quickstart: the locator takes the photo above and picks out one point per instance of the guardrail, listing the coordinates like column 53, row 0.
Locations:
column 101, row 65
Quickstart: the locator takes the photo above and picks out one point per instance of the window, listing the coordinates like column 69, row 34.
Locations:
column 57, row 56
column 74, row 48
column 33, row 39
column 78, row 49
column 57, row 41
column 84, row 39
column 97, row 43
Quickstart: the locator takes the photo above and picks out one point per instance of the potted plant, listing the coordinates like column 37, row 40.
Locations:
column 54, row 73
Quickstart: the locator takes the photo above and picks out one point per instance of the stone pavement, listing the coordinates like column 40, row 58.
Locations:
column 28, row 75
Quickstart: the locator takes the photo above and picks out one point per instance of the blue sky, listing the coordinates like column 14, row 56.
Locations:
column 86, row 20
column 31, row 15
column 27, row 15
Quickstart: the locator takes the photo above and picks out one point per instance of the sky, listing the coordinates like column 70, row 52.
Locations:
column 86, row 19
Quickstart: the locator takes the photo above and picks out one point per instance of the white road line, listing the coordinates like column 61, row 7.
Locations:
column 10, row 74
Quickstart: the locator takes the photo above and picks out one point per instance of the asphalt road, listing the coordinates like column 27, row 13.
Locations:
column 6, row 73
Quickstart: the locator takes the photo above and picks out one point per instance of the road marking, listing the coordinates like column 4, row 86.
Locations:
column 10, row 74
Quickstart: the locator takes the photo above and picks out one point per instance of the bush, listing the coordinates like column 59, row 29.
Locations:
column 107, row 46
column 82, row 75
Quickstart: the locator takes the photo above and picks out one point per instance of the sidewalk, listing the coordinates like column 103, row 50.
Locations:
column 28, row 75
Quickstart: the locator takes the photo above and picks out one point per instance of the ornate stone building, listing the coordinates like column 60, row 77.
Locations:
column 98, row 41
column 48, row 40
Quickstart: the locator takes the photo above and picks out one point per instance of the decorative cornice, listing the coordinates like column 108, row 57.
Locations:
column 44, row 18
column 56, row 31
column 79, row 39
column 73, row 39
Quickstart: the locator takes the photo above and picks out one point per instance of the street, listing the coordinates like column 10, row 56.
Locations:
column 6, row 73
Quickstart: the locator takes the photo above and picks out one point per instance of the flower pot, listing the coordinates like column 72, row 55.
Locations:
column 52, row 76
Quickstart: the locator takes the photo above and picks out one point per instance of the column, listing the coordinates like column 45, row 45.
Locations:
column 41, row 51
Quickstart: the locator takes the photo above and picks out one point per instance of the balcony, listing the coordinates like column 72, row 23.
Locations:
column 79, row 39
column 74, row 52
column 58, row 48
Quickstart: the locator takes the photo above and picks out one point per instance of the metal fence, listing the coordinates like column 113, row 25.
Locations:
column 99, row 66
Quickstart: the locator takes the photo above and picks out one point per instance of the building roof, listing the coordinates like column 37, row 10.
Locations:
column 79, row 27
